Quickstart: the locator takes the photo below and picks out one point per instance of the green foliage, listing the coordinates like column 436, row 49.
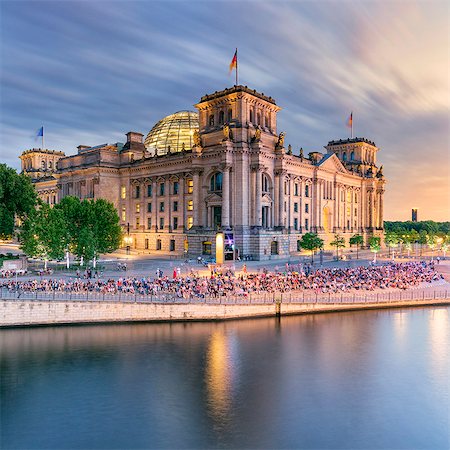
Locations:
column 356, row 239
column 375, row 244
column 338, row 242
column 391, row 239
column 429, row 226
column 17, row 198
column 44, row 233
column 312, row 242
column 87, row 228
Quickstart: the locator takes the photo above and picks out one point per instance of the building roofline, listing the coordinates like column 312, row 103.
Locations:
column 234, row 89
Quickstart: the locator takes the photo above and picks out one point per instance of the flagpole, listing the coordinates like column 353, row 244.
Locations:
column 236, row 68
column 352, row 124
column 42, row 138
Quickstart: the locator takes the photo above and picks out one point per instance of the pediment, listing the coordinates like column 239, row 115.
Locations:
column 332, row 162
column 213, row 197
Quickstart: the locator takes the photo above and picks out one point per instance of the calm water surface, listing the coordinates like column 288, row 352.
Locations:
column 375, row 379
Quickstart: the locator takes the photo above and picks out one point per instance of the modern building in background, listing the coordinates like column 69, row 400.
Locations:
column 222, row 168
column 414, row 212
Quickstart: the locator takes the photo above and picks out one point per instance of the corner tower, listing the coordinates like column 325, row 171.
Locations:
column 244, row 110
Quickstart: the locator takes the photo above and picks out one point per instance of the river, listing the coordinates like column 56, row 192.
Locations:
column 368, row 379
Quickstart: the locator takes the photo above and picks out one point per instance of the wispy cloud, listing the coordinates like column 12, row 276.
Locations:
column 91, row 71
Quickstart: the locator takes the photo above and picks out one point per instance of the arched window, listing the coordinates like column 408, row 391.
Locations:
column 211, row 120
column 230, row 115
column 258, row 117
column 221, row 117
column 352, row 156
column 50, row 165
column 251, row 116
column 344, row 156
column 265, row 183
column 43, row 164
column 267, row 121
column 216, row 182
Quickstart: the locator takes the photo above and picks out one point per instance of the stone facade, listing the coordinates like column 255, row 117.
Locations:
column 237, row 177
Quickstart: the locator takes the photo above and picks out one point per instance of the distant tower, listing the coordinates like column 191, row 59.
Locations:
column 38, row 163
column 414, row 214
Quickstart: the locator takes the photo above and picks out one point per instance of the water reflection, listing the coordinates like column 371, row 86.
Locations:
column 220, row 373
column 319, row 381
column 439, row 342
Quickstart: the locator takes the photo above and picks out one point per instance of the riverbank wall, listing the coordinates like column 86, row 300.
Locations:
column 16, row 313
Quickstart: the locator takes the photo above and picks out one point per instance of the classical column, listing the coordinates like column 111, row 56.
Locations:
column 182, row 204
column 380, row 209
column 226, row 196
column 155, row 205
column 258, row 197
column 196, row 197
column 281, row 215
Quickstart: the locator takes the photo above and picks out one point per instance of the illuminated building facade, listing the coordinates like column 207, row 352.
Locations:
column 223, row 168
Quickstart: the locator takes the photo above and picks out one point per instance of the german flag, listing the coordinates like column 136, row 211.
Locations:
column 233, row 64
column 350, row 121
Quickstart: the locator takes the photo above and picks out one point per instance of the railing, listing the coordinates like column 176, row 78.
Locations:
column 294, row 297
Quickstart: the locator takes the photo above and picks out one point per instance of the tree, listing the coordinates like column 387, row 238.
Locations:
column 357, row 240
column 391, row 239
column 17, row 199
column 338, row 242
column 423, row 239
column 93, row 226
column 374, row 244
column 312, row 242
column 44, row 234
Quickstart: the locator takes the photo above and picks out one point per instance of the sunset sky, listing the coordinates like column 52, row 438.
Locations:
column 91, row 71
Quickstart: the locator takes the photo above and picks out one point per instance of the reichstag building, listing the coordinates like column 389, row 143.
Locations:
column 223, row 168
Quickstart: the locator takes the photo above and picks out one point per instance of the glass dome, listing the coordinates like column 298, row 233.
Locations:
column 172, row 132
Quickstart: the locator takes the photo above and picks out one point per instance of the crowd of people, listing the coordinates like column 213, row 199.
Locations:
column 333, row 280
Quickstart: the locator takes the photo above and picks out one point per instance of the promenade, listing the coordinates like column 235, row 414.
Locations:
column 221, row 295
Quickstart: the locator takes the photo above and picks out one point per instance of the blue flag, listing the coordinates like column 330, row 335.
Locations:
column 40, row 132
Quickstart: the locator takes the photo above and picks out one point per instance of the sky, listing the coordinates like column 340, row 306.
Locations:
column 90, row 71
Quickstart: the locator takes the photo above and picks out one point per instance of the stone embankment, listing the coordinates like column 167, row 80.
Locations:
column 18, row 312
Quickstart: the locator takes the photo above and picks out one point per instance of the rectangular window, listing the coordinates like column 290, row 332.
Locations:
column 296, row 207
column 124, row 214
column 307, row 190
column 161, row 206
column 190, row 205
column 149, row 190
column 149, row 207
column 172, row 245
column 356, row 211
column 356, row 197
column 295, row 224
column 138, row 208
column 306, row 208
column 146, row 244
column 190, row 222
column 158, row 244
column 296, row 189
column 306, row 224
column 161, row 223
column 138, row 222
column 149, row 223
column 176, row 187
column 137, row 191
column 175, row 223
column 206, row 247
column 190, row 186
column 175, row 206
column 162, row 189
column 123, row 192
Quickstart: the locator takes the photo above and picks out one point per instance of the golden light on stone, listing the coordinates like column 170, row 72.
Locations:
column 220, row 244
